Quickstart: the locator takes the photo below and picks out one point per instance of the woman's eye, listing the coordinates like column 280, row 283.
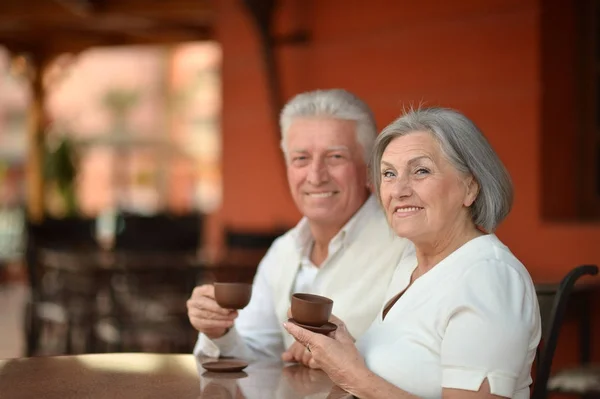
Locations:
column 388, row 174
column 421, row 171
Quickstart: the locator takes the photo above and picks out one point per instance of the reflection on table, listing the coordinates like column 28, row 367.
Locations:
column 126, row 375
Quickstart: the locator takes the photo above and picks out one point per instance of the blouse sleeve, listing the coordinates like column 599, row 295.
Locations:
column 490, row 329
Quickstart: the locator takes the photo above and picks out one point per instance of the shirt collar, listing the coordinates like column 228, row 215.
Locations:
column 303, row 236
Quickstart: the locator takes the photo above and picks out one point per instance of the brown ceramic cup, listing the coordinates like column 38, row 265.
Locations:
column 311, row 310
column 233, row 295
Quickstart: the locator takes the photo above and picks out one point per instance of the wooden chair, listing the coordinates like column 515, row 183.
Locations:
column 553, row 309
column 147, row 311
column 57, row 302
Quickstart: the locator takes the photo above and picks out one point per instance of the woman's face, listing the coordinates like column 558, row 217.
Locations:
column 424, row 196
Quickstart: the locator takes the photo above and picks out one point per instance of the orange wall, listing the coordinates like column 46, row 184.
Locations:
column 481, row 57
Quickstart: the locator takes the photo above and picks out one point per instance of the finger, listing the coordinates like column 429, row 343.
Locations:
column 213, row 325
column 206, row 324
column 289, row 313
column 207, row 290
column 287, row 357
column 295, row 352
column 306, row 357
column 205, row 315
column 335, row 320
column 313, row 364
column 303, row 336
column 208, row 315
column 290, row 354
column 342, row 335
column 205, row 303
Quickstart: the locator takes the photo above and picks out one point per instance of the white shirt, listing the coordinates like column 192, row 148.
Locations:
column 307, row 274
column 473, row 316
column 365, row 250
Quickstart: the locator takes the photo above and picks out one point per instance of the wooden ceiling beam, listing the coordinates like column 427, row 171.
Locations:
column 53, row 11
column 66, row 33
column 75, row 42
column 72, row 25
column 80, row 8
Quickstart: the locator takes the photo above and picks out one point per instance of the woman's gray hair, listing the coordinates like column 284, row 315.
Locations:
column 466, row 148
column 334, row 103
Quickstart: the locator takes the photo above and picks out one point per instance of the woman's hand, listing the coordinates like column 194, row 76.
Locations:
column 335, row 354
column 297, row 353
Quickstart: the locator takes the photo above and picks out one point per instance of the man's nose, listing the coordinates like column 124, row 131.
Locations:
column 318, row 173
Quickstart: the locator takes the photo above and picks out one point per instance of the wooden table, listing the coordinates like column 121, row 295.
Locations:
column 130, row 376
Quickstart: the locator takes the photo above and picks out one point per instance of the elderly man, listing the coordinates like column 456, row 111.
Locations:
column 342, row 248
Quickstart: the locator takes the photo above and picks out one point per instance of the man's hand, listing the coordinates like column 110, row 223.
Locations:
column 206, row 315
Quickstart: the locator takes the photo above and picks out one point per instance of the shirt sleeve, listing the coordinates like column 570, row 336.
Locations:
column 256, row 333
column 492, row 329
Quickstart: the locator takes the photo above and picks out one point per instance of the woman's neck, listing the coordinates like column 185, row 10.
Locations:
column 430, row 253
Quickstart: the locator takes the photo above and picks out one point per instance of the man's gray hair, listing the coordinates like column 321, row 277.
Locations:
column 334, row 103
column 466, row 148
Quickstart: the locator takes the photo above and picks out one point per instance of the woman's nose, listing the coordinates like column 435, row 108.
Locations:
column 402, row 187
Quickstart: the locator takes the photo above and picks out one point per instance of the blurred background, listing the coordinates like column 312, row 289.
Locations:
column 139, row 146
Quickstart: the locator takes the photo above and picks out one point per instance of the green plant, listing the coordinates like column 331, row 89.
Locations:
column 120, row 101
column 61, row 170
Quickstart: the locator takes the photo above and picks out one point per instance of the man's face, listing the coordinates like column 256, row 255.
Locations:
column 326, row 170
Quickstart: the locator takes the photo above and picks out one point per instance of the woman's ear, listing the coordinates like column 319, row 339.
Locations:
column 472, row 191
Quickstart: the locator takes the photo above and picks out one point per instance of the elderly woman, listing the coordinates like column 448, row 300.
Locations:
column 462, row 318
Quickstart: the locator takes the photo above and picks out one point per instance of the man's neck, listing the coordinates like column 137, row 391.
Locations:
column 323, row 233
column 322, row 236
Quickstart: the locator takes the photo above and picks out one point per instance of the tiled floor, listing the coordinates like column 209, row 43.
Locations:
column 12, row 303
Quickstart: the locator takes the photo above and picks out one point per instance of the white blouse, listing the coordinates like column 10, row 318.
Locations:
column 473, row 316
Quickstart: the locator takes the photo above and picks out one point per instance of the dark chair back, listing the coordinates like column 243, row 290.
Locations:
column 181, row 233
column 67, row 233
column 552, row 309
column 246, row 239
column 72, row 233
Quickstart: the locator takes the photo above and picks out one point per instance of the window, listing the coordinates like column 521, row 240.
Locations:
column 570, row 110
column 144, row 123
column 589, row 93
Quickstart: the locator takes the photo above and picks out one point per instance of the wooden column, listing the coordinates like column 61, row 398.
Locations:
column 34, row 170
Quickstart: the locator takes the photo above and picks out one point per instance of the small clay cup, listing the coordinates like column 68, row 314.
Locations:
column 310, row 309
column 233, row 295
